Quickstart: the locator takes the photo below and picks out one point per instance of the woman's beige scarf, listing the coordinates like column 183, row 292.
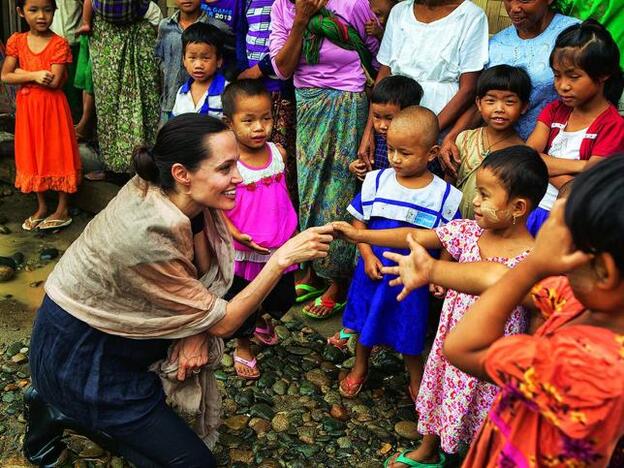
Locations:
column 131, row 274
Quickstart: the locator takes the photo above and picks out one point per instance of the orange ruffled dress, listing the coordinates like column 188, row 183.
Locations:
column 561, row 402
column 46, row 152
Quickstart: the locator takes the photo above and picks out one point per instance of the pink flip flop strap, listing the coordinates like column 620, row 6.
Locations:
column 251, row 364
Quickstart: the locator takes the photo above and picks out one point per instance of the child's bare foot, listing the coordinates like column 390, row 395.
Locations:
column 245, row 363
column 57, row 220
column 33, row 221
column 340, row 339
column 421, row 455
column 309, row 286
column 85, row 28
column 352, row 384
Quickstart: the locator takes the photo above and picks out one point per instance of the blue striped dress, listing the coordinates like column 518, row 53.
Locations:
column 372, row 309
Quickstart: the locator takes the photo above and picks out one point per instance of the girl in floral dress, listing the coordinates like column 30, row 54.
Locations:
column 451, row 404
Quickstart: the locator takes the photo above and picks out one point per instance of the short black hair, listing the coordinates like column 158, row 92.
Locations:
column 593, row 211
column 595, row 52
column 505, row 78
column 203, row 33
column 396, row 89
column 234, row 90
column 21, row 3
column 521, row 170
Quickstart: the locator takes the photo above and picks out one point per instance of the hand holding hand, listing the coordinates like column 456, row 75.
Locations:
column 43, row 77
column 308, row 245
column 553, row 253
column 372, row 267
column 345, row 231
column 413, row 270
column 191, row 353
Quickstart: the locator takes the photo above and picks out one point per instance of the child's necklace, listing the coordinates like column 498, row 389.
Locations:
column 487, row 147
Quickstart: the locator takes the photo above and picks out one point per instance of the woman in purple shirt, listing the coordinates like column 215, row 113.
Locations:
column 332, row 111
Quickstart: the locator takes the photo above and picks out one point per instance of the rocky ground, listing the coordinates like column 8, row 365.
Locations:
column 293, row 416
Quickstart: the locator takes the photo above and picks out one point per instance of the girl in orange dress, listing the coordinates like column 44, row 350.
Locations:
column 46, row 152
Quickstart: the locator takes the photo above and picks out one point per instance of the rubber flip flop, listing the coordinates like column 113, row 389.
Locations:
column 328, row 304
column 250, row 364
column 31, row 223
column 310, row 292
column 341, row 341
column 52, row 224
column 261, row 333
column 352, row 388
column 402, row 458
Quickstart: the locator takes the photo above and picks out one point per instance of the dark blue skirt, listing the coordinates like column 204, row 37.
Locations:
column 98, row 379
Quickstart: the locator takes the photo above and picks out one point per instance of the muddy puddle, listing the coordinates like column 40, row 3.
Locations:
column 20, row 297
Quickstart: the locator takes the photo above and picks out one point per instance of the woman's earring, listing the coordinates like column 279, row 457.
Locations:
column 514, row 220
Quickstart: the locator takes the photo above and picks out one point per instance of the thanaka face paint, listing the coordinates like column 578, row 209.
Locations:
column 492, row 214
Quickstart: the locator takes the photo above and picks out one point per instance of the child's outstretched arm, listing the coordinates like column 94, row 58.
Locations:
column 467, row 344
column 419, row 268
column 396, row 238
column 243, row 238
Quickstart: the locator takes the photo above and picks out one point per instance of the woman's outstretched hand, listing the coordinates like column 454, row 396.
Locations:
column 308, row 245
column 191, row 353
column 412, row 271
column 554, row 253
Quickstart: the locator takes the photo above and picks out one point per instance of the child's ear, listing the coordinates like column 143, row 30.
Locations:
column 433, row 152
column 519, row 207
column 220, row 62
column 226, row 120
column 478, row 103
column 20, row 11
column 607, row 273
column 525, row 108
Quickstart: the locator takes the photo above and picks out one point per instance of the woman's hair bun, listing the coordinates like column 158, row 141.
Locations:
column 145, row 165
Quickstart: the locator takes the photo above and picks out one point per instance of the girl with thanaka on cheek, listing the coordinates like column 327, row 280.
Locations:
column 451, row 405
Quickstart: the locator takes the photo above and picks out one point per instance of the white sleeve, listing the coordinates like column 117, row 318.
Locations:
column 473, row 50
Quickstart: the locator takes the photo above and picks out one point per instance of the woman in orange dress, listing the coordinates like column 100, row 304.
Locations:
column 46, row 152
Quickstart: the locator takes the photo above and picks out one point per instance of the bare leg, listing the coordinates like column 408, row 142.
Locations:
column 62, row 210
column 427, row 452
column 85, row 126
column 336, row 293
column 42, row 207
column 308, row 276
column 351, row 384
column 415, row 367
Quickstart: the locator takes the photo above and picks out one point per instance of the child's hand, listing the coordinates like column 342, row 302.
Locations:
column 246, row 240
column 373, row 28
column 42, row 77
column 554, row 252
column 345, row 231
column 413, row 270
column 372, row 267
column 85, row 28
column 358, row 168
column 437, row 291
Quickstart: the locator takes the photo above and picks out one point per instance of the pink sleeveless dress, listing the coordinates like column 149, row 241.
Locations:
column 264, row 211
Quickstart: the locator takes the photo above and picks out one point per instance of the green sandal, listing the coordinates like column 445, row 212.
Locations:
column 412, row 463
column 310, row 292
column 328, row 304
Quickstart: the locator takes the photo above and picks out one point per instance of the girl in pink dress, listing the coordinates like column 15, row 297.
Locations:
column 264, row 217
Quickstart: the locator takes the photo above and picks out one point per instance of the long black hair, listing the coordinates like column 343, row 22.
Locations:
column 181, row 140
column 593, row 211
column 592, row 48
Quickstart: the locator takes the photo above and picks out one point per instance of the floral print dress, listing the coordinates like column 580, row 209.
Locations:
column 561, row 402
column 452, row 404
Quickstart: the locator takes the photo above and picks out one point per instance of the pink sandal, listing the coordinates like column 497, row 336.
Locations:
column 249, row 364
column 261, row 334
column 350, row 388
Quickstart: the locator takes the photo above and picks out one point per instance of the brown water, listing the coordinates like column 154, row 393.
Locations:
column 20, row 297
